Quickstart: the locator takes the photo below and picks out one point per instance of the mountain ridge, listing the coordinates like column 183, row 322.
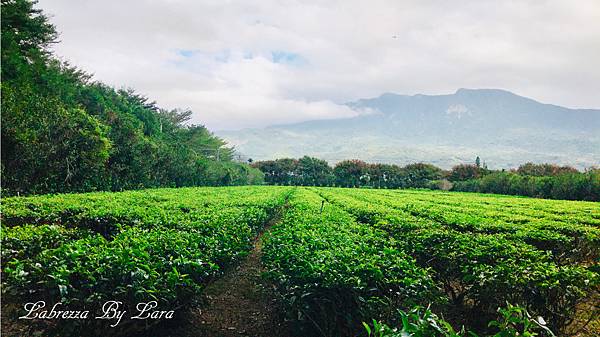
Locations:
column 504, row 128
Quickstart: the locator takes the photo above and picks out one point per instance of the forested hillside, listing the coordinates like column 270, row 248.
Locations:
column 62, row 131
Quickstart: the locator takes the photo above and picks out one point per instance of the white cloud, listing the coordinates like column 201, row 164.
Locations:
column 329, row 52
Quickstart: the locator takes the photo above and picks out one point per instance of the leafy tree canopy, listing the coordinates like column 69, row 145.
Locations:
column 63, row 132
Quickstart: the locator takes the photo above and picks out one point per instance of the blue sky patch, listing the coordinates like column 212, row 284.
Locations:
column 221, row 56
column 187, row 52
column 284, row 57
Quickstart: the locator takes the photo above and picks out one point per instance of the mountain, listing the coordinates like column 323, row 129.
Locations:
column 503, row 128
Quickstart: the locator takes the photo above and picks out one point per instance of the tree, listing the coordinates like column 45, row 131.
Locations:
column 282, row 171
column 544, row 169
column 48, row 147
column 419, row 174
column 61, row 132
column 26, row 35
column 314, row 172
column 573, row 186
column 287, row 171
column 464, row 172
column 269, row 169
column 350, row 173
column 387, row 176
column 47, row 143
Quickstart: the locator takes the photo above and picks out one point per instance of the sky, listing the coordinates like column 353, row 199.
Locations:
column 240, row 64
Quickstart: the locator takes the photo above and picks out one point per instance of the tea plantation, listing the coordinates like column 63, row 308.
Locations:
column 343, row 262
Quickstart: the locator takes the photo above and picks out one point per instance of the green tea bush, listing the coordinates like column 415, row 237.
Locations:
column 333, row 272
column 170, row 245
column 481, row 260
column 515, row 321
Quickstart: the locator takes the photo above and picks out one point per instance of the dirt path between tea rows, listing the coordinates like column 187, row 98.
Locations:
column 239, row 303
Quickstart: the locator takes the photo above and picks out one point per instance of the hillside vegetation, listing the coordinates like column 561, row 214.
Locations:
column 62, row 131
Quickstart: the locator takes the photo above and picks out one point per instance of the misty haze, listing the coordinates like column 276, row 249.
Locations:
column 497, row 125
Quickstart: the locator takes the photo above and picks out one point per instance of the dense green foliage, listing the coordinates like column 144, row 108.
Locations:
column 531, row 169
column 338, row 257
column 532, row 180
column 308, row 171
column 163, row 245
column 480, row 251
column 63, row 132
column 333, row 271
column 570, row 185
column 514, row 321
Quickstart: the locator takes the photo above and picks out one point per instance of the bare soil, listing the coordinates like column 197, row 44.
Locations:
column 239, row 303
